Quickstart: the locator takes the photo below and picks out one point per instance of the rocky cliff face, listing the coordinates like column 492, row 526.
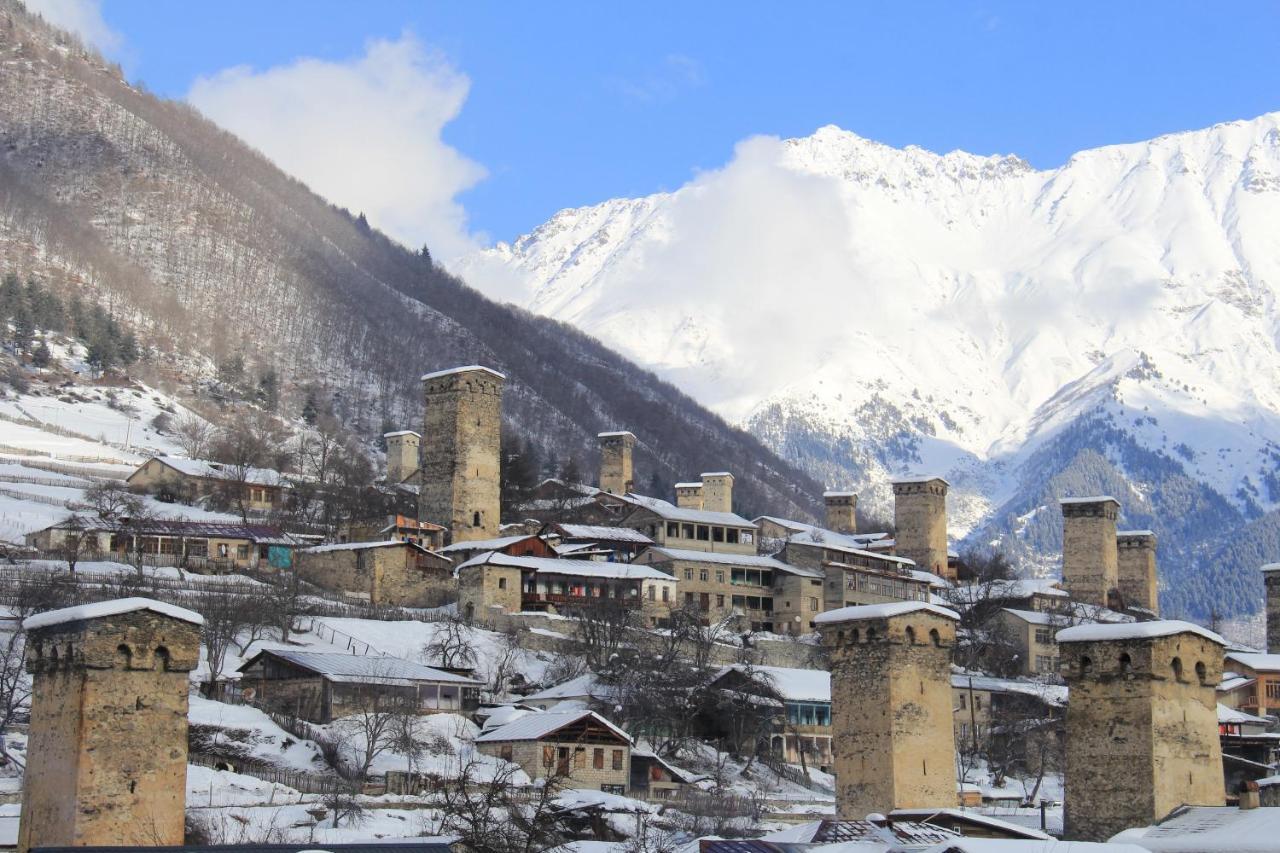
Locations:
column 207, row 249
column 868, row 311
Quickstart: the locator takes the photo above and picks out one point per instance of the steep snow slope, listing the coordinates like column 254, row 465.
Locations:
column 868, row 310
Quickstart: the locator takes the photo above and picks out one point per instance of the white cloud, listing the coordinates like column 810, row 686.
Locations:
column 82, row 17
column 365, row 134
column 671, row 77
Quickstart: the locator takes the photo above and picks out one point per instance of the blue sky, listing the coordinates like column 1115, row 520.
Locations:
column 572, row 103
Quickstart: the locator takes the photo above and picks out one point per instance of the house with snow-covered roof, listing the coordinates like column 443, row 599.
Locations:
column 390, row 573
column 580, row 747
column 803, row 721
column 622, row 542
column 1263, row 670
column 322, row 686
column 189, row 480
column 690, row 528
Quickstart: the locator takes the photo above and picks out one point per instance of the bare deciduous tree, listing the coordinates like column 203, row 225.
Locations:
column 451, row 646
column 194, row 435
column 481, row 806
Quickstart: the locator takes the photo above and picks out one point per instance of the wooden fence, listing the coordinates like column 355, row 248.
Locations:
column 306, row 783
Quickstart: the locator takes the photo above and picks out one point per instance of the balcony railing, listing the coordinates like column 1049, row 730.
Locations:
column 561, row 600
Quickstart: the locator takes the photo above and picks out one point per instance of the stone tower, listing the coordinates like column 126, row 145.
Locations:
column 616, row 475
column 891, row 706
column 107, row 750
column 842, row 510
column 1142, row 724
column 1136, row 569
column 1090, row 560
column 402, row 455
column 689, row 495
column 920, row 515
column 717, row 491
column 461, row 454
column 1271, row 577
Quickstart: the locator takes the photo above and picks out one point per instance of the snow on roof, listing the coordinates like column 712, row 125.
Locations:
column 365, row 546
column 1135, row 533
column 219, row 471
column 925, row 478
column 671, row 512
column 467, row 369
column 102, row 609
column 615, row 434
column 1271, row 567
column 597, row 532
column 716, row 474
column 833, row 494
column 363, row 669
column 575, row 568
column 883, row 611
column 1023, row 845
column 1211, row 829
column 537, row 726
column 401, row 432
column 1232, row 680
column 1051, row 694
column 744, row 560
column 930, row 578
column 505, row 714
column 1033, row 617
column 1091, row 499
column 798, row 685
column 1134, row 631
column 575, row 688
column 962, row 816
column 696, row 484
column 680, row 774
column 1257, row 662
column 1023, row 588
column 487, row 544
column 1234, row 715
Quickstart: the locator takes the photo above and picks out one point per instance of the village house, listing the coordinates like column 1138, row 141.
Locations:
column 200, row 546
column 690, row 528
column 1032, row 634
column 623, row 543
column 536, row 584
column 392, row 573
column 581, row 747
column 1262, row 696
column 324, row 686
column 519, row 545
column 1250, row 751
column 655, row 778
column 171, row 478
column 581, row 692
column 1040, row 594
column 762, row 592
column 397, row 526
column 854, row 575
column 803, row 723
column 980, row 700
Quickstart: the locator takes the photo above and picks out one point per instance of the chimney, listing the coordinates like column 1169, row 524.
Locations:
column 1090, row 558
column 689, row 495
column 402, row 455
column 717, row 491
column 841, row 511
column 616, row 475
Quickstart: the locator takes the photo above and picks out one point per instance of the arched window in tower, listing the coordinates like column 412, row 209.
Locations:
column 1202, row 672
column 1086, row 665
column 1177, row 668
column 1126, row 663
column 935, row 636
column 911, row 636
column 475, row 519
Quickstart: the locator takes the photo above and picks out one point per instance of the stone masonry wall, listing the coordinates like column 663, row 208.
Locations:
column 1272, row 580
column 582, row 772
column 461, row 447
column 482, row 588
column 1141, row 738
column 1090, row 567
column 920, row 516
column 842, row 512
column 388, row 575
column 1136, row 570
column 108, row 738
column 616, row 475
column 892, row 714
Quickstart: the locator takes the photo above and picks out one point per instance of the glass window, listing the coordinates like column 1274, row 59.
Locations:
column 702, row 574
column 717, row 534
column 731, row 535
column 719, row 601
column 666, row 594
column 673, row 529
column 687, row 531
column 719, row 575
column 688, row 574
column 704, row 533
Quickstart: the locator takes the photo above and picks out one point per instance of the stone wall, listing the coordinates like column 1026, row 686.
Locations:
column 616, row 475
column 1142, row 731
column 1090, row 567
column 485, row 587
column 392, row 576
column 402, row 455
column 531, row 757
column 920, row 516
column 108, row 741
column 892, row 713
column 717, row 492
column 460, row 453
column 1136, row 570
column 842, row 511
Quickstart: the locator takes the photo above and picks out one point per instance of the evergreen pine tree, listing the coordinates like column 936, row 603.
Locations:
column 24, row 327
column 41, row 356
column 310, row 408
column 269, row 389
column 571, row 472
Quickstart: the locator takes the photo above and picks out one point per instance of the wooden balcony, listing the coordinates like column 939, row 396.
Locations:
column 561, row 600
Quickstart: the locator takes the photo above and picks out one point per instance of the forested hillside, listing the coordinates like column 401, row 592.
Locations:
column 208, row 255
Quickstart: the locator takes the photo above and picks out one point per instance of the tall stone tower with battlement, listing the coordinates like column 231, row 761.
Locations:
column 717, row 491
column 1090, row 559
column 1142, row 724
column 1136, row 569
column 1271, row 577
column 689, row 495
column 107, row 750
column 461, row 452
column 842, row 509
column 403, row 461
column 891, row 706
column 920, row 516
column 616, row 474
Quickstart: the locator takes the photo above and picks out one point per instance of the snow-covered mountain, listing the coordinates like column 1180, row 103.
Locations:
column 869, row 311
